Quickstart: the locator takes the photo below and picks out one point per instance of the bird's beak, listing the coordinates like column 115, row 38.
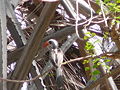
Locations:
column 46, row 44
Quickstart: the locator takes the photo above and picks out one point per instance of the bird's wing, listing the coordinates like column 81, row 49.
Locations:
column 59, row 71
column 53, row 55
column 59, row 57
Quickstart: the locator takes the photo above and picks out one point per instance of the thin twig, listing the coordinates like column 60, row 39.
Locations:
column 76, row 25
column 22, row 81
column 91, row 15
column 101, row 5
column 108, row 54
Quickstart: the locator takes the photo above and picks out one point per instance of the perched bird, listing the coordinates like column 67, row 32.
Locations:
column 56, row 57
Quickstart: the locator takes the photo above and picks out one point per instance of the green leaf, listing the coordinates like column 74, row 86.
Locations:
column 89, row 33
column 117, row 9
column 106, row 1
column 96, row 72
column 98, row 11
column 85, row 61
column 86, row 37
column 96, row 60
column 95, row 66
column 89, row 46
column 87, row 68
column 93, row 34
column 106, row 35
column 118, row 21
column 51, row 74
column 97, row 1
column 99, row 63
column 107, row 60
column 103, row 65
column 103, row 57
column 94, row 78
column 118, row 1
column 108, row 67
column 111, row 4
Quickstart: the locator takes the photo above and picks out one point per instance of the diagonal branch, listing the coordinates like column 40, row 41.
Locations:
column 24, row 64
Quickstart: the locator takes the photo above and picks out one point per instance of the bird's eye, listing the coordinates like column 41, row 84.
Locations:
column 50, row 42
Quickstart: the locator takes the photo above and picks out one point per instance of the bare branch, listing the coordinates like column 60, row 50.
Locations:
column 108, row 54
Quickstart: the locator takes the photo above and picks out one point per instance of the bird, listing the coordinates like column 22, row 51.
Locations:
column 56, row 57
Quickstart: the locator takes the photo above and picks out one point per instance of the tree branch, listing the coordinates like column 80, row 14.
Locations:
column 108, row 54
column 24, row 64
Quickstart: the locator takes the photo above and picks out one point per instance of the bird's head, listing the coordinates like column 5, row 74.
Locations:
column 52, row 42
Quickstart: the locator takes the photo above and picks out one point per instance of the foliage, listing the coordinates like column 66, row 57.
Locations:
column 89, row 47
column 113, row 7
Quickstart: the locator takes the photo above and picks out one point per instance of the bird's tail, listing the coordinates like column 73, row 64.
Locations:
column 59, row 78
